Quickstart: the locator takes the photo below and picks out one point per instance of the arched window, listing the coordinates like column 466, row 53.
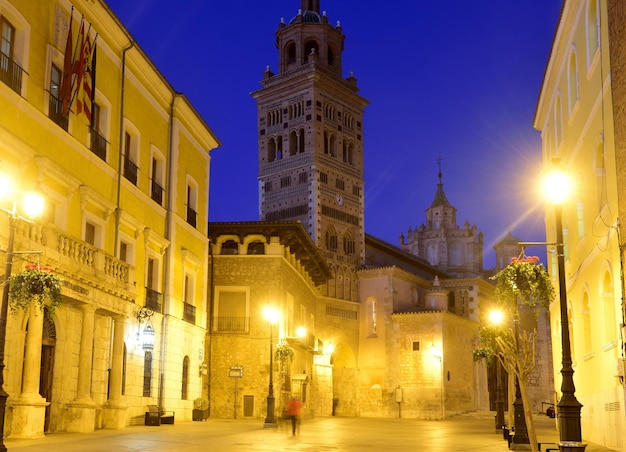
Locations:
column 279, row 147
column 331, row 56
column 572, row 80
column 230, row 247
column 608, row 307
column 349, row 245
column 331, row 239
column 310, row 49
column 256, row 247
column 593, row 31
column 291, row 53
column 433, row 254
column 184, row 392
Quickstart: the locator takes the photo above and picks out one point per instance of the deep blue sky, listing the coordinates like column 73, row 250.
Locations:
column 458, row 79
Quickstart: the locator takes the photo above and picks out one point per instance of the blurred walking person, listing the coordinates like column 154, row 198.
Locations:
column 293, row 408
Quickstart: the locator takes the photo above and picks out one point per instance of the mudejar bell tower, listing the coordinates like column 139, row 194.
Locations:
column 310, row 143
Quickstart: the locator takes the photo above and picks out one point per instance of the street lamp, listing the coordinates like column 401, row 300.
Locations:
column 272, row 316
column 557, row 186
column 496, row 317
column 32, row 206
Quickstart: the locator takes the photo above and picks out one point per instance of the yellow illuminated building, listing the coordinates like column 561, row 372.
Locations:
column 125, row 225
column 575, row 116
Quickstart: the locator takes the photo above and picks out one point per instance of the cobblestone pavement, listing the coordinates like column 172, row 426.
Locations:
column 472, row 432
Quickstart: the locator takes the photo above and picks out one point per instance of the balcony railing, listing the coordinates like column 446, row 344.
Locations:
column 55, row 112
column 130, row 170
column 232, row 324
column 153, row 300
column 189, row 314
column 99, row 145
column 157, row 193
column 192, row 216
column 11, row 73
column 75, row 259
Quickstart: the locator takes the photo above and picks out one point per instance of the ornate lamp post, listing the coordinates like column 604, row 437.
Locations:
column 32, row 206
column 271, row 315
column 557, row 186
column 496, row 317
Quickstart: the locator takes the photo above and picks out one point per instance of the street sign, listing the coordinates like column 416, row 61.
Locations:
column 235, row 372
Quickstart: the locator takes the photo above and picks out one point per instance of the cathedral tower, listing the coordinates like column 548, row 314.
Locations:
column 310, row 143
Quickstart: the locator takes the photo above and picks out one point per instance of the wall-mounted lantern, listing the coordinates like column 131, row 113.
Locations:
column 146, row 336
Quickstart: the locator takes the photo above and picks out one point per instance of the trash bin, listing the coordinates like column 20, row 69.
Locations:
column 572, row 446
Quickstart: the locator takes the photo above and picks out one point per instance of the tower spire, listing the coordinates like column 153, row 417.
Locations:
column 439, row 175
column 310, row 5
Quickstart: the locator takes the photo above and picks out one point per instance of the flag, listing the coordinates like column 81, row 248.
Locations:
column 66, row 82
column 85, row 79
column 89, row 84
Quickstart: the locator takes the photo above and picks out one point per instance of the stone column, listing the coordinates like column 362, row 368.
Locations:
column 115, row 408
column 82, row 410
column 29, row 409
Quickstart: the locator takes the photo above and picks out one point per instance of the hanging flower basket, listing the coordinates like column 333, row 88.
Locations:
column 527, row 279
column 36, row 283
column 283, row 353
column 483, row 352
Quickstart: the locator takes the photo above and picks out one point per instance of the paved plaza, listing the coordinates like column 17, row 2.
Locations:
column 475, row 432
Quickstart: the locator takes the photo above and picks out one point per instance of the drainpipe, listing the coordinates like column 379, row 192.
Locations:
column 168, row 253
column 118, row 210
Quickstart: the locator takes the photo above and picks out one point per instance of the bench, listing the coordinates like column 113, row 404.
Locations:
column 156, row 416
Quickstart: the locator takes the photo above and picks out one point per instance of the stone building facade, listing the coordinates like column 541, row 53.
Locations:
column 124, row 226
column 579, row 113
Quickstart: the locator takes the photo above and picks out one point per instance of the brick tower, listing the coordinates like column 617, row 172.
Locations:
column 310, row 144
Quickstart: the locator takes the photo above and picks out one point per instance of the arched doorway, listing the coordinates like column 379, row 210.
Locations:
column 48, row 342
column 344, row 381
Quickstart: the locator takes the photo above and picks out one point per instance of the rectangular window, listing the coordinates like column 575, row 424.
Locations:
column 55, row 103
column 232, row 312
column 124, row 251
column 268, row 186
column 98, row 142
column 285, row 181
column 416, row 346
column 10, row 72
column 90, row 233
column 192, row 215
column 153, row 297
column 303, row 178
column 340, row 184
column 324, row 178
column 130, row 167
column 147, row 374
column 156, row 192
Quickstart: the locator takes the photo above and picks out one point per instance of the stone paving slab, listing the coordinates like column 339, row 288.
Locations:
column 465, row 433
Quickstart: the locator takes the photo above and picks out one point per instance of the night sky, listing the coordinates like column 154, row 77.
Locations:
column 457, row 80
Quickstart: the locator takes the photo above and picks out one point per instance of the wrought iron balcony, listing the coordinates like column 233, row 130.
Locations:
column 99, row 145
column 157, row 193
column 130, row 170
column 55, row 112
column 232, row 324
column 189, row 314
column 154, row 300
column 11, row 73
column 192, row 216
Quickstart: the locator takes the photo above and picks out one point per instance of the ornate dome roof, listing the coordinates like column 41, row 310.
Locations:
column 308, row 17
